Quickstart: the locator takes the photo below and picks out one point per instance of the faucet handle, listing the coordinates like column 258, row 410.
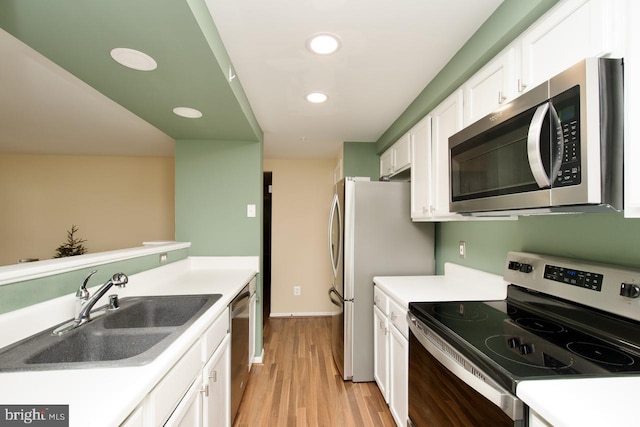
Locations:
column 82, row 292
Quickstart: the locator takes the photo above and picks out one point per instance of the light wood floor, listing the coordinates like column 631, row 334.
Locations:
column 299, row 385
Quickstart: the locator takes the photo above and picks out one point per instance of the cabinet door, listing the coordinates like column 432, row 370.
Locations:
column 189, row 411
column 421, row 170
column 216, row 411
column 399, row 377
column 402, row 154
column 570, row 32
column 492, row 86
column 381, row 352
column 446, row 119
column 386, row 163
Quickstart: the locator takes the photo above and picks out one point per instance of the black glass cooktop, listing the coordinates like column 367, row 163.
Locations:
column 511, row 342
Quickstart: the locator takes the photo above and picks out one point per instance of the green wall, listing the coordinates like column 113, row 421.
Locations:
column 607, row 237
column 508, row 21
column 361, row 159
column 22, row 294
column 215, row 181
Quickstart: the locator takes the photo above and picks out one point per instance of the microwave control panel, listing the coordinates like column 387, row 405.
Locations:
column 568, row 131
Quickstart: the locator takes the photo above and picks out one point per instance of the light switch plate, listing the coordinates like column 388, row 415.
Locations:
column 251, row 211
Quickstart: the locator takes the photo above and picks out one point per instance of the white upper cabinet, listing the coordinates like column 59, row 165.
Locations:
column 397, row 158
column 572, row 31
column 446, row 119
column 421, row 170
column 495, row 84
column 430, row 156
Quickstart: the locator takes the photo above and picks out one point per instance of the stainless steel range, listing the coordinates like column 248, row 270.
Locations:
column 561, row 318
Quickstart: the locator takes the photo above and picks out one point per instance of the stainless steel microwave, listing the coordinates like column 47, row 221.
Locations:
column 556, row 148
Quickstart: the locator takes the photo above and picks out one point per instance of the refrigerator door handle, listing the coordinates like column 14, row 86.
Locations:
column 337, row 302
column 335, row 255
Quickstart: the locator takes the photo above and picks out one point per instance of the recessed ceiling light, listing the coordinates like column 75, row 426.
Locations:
column 190, row 113
column 323, row 44
column 317, row 97
column 134, row 59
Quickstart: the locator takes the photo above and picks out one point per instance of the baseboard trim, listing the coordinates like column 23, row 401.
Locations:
column 258, row 359
column 300, row 314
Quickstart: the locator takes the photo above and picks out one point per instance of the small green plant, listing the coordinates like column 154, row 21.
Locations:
column 73, row 246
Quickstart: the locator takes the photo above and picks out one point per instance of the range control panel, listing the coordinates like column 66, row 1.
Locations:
column 583, row 279
column 607, row 287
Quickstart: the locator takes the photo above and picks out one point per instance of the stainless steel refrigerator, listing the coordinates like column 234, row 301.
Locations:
column 370, row 234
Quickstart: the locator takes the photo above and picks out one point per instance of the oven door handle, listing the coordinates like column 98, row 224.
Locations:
column 488, row 388
column 534, row 140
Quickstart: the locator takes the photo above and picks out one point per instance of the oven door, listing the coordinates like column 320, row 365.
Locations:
column 443, row 391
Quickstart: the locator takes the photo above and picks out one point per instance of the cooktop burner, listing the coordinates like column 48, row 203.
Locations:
column 604, row 354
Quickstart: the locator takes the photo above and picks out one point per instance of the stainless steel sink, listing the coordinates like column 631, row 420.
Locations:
column 134, row 334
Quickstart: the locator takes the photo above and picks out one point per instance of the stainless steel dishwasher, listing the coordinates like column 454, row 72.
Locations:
column 239, row 314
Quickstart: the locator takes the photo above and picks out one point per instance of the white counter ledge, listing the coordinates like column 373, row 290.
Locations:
column 458, row 283
column 106, row 396
column 583, row 402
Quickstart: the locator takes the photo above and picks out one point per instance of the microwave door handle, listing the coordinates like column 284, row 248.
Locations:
column 533, row 146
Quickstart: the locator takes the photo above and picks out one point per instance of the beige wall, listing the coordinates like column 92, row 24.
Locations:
column 116, row 202
column 302, row 192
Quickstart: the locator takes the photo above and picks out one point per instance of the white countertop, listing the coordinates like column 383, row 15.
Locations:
column 106, row 396
column 458, row 283
column 588, row 402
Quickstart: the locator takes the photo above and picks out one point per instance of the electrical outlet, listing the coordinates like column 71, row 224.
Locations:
column 163, row 258
column 296, row 290
column 462, row 249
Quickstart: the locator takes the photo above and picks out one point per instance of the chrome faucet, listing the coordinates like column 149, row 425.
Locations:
column 84, row 314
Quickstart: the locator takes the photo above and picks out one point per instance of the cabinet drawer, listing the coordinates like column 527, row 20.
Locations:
column 212, row 338
column 168, row 393
column 381, row 300
column 398, row 317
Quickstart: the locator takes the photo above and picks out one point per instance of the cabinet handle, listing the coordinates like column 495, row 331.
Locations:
column 382, row 324
column 501, row 97
column 521, row 85
column 205, row 390
column 393, row 316
column 214, row 376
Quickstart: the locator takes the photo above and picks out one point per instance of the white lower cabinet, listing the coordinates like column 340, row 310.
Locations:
column 216, row 388
column 188, row 413
column 391, row 359
column 381, row 346
column 195, row 392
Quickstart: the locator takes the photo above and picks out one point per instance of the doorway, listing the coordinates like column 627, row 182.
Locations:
column 266, row 248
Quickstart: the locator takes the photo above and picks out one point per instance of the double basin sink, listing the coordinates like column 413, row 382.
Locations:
column 134, row 334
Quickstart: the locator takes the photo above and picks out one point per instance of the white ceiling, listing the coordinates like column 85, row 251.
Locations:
column 391, row 49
